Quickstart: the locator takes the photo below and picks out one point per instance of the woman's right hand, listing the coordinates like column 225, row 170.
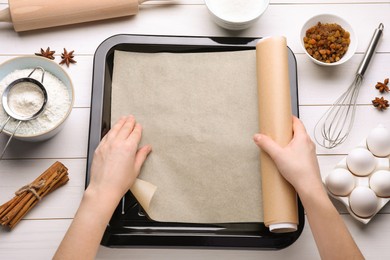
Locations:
column 297, row 162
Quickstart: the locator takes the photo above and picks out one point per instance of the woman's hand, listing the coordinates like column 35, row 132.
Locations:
column 116, row 163
column 297, row 162
column 117, row 160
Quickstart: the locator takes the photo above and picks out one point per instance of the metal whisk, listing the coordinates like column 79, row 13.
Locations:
column 335, row 125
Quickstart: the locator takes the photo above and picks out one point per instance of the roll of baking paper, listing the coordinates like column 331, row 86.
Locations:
column 275, row 120
column 36, row 14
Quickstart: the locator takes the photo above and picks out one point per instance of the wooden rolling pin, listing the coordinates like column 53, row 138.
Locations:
column 28, row 15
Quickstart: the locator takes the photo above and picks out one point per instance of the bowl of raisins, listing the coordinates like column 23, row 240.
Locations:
column 328, row 40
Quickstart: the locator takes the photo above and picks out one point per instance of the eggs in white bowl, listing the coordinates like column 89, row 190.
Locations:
column 340, row 182
column 361, row 162
column 363, row 202
column 361, row 180
column 378, row 141
column 380, row 183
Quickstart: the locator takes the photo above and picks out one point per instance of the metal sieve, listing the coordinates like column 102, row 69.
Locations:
column 12, row 114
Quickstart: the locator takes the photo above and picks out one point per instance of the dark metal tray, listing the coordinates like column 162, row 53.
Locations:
column 129, row 226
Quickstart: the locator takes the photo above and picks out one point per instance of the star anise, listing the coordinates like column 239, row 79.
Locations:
column 380, row 103
column 67, row 58
column 47, row 54
column 382, row 87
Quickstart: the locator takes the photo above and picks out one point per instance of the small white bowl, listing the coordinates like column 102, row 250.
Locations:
column 236, row 14
column 330, row 18
column 29, row 62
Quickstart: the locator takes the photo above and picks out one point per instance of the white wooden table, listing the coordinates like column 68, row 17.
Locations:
column 39, row 234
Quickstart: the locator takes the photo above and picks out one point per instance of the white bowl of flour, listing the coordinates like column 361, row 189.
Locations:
column 60, row 97
column 236, row 14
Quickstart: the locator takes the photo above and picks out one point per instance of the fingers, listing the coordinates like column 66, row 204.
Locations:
column 135, row 136
column 104, row 139
column 141, row 156
column 115, row 129
column 130, row 131
column 268, row 145
column 126, row 128
column 121, row 129
column 298, row 127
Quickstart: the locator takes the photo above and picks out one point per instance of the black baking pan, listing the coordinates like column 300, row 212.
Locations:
column 129, row 225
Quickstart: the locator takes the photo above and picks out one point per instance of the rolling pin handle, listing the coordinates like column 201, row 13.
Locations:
column 5, row 15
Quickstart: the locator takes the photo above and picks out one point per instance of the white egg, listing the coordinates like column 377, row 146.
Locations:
column 340, row 182
column 361, row 162
column 380, row 183
column 378, row 141
column 363, row 202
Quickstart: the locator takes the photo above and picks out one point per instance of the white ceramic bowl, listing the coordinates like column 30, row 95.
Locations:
column 28, row 62
column 330, row 18
column 236, row 14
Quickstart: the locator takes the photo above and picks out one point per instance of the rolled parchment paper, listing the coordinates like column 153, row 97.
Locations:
column 275, row 120
column 143, row 191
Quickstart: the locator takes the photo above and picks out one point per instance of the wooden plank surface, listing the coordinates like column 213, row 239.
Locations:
column 201, row 2
column 195, row 20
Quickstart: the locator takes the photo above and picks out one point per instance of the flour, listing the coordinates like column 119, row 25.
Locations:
column 236, row 10
column 57, row 106
column 25, row 99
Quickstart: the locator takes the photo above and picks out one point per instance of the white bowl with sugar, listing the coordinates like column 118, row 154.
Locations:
column 236, row 14
column 60, row 97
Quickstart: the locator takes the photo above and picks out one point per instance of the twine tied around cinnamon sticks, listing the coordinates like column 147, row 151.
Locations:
column 31, row 188
column 28, row 196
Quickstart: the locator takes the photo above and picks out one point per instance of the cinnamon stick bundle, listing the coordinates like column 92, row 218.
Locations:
column 29, row 195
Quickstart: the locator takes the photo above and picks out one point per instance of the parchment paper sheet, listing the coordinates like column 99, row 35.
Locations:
column 275, row 118
column 199, row 112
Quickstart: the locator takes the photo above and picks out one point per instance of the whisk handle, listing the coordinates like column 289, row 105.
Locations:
column 370, row 50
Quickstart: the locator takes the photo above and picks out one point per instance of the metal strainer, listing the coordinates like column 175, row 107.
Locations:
column 16, row 115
